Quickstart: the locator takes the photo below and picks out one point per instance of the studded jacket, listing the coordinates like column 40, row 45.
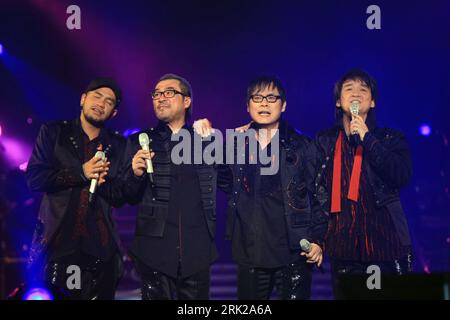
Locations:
column 388, row 169
column 55, row 168
column 153, row 199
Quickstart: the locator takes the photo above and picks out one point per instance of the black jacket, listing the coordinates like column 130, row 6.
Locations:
column 55, row 168
column 153, row 199
column 303, row 215
column 388, row 168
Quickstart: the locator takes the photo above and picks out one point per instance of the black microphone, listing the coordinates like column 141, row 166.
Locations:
column 306, row 246
column 94, row 182
column 354, row 110
column 145, row 142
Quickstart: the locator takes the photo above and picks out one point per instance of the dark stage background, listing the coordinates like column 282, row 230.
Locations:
column 219, row 46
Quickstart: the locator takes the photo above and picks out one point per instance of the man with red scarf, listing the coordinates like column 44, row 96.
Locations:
column 360, row 170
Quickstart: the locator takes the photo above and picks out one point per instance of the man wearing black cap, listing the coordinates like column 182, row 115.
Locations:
column 75, row 227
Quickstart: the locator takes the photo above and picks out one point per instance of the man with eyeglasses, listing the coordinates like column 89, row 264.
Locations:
column 75, row 226
column 268, row 215
column 174, row 242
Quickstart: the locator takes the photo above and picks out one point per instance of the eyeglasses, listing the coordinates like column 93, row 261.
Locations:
column 257, row 98
column 169, row 93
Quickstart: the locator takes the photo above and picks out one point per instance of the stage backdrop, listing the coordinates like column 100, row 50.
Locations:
column 50, row 51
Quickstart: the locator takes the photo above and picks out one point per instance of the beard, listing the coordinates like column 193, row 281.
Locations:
column 96, row 123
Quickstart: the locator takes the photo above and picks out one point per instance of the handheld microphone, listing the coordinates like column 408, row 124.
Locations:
column 305, row 245
column 145, row 142
column 354, row 110
column 354, row 107
column 93, row 186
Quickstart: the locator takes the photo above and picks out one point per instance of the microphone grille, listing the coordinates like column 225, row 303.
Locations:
column 100, row 154
column 143, row 139
column 354, row 107
column 305, row 245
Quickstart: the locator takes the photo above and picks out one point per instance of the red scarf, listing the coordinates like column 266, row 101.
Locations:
column 337, row 172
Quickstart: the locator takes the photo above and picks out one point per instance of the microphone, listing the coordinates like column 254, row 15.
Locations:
column 145, row 142
column 354, row 110
column 305, row 245
column 93, row 187
column 354, row 107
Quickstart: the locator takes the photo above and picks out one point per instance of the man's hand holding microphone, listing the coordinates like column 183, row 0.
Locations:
column 96, row 170
column 312, row 252
column 139, row 162
column 142, row 160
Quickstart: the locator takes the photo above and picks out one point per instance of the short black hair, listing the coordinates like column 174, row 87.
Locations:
column 262, row 82
column 356, row 74
column 185, row 87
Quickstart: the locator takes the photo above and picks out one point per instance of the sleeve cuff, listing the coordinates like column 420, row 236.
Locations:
column 369, row 141
column 134, row 181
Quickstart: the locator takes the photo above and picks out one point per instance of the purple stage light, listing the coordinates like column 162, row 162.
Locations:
column 23, row 166
column 37, row 294
column 17, row 152
column 425, row 130
column 1, row 131
column 1, row 48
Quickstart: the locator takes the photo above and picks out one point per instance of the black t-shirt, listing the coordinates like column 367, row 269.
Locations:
column 260, row 236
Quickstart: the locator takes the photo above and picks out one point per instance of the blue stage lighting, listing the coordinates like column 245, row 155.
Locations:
column 37, row 294
column 425, row 130
column 130, row 131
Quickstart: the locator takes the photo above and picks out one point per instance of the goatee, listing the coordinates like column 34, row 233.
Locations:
column 95, row 123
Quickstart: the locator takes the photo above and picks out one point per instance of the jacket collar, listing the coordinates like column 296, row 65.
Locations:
column 163, row 129
column 284, row 131
column 76, row 137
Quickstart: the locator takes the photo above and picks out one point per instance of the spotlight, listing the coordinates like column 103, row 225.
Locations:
column 1, row 48
column 37, row 294
column 425, row 130
column 23, row 166
column 1, row 131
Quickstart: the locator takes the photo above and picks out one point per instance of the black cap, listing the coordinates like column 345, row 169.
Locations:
column 106, row 83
